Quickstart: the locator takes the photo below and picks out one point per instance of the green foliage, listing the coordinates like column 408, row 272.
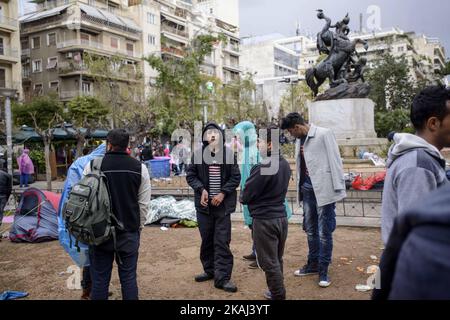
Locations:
column 296, row 99
column 42, row 113
column 395, row 120
column 87, row 112
column 38, row 158
column 390, row 81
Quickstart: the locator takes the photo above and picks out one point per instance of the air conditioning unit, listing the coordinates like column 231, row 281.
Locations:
column 69, row 55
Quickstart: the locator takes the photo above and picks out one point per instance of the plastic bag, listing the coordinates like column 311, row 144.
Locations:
column 366, row 184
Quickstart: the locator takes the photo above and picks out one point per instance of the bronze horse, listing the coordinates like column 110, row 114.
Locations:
column 339, row 54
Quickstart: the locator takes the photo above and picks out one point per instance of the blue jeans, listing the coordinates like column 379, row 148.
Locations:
column 23, row 180
column 319, row 224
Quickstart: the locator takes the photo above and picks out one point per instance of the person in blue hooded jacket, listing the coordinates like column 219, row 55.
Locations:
column 249, row 157
column 81, row 257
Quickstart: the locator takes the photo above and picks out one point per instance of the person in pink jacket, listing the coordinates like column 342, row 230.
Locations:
column 26, row 167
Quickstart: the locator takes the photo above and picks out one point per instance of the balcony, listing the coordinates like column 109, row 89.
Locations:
column 94, row 46
column 232, row 48
column 9, row 55
column 68, row 95
column 232, row 66
column 8, row 24
column 25, row 53
column 173, row 51
column 10, row 85
column 124, row 73
column 174, row 34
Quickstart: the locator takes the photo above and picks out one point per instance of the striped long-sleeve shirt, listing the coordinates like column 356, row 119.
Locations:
column 214, row 180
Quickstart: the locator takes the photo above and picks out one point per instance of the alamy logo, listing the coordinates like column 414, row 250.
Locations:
column 74, row 281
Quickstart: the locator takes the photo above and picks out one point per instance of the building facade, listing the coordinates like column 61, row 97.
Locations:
column 10, row 67
column 55, row 38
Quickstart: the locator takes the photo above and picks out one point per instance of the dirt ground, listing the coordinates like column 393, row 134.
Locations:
column 169, row 260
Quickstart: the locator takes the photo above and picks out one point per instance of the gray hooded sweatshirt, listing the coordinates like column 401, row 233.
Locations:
column 415, row 168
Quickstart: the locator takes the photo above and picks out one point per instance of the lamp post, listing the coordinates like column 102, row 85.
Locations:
column 8, row 94
column 292, row 82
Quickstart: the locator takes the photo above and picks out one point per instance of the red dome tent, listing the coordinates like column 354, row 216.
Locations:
column 36, row 217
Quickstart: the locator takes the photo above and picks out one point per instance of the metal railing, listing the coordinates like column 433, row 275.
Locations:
column 181, row 33
column 95, row 45
column 73, row 94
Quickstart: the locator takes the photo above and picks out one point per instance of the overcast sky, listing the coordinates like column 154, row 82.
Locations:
column 431, row 17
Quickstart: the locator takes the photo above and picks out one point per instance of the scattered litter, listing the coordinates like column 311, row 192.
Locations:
column 373, row 257
column 363, row 288
column 344, row 259
column 360, row 269
column 5, row 235
column 10, row 295
column 164, row 228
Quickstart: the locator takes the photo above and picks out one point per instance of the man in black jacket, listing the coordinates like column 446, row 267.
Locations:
column 214, row 175
column 264, row 193
column 5, row 191
column 130, row 191
column 416, row 262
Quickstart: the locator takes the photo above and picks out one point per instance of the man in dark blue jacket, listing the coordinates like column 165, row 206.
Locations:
column 214, row 175
column 265, row 194
column 416, row 261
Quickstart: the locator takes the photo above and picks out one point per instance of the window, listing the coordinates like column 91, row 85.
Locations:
column 24, row 44
column 86, row 87
column 38, row 89
column 54, row 86
column 85, row 38
column 151, row 39
column 51, row 39
column 36, row 42
column 115, row 43
column 52, row 63
column 91, row 3
column 130, row 49
column 151, row 18
column 2, row 78
column 401, row 49
column 37, row 65
column 2, row 49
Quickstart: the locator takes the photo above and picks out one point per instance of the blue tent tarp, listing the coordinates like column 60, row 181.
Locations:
column 74, row 175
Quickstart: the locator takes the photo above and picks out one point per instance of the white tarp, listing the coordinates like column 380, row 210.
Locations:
column 169, row 207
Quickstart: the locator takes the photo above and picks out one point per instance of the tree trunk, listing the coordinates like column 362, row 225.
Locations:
column 80, row 143
column 48, row 169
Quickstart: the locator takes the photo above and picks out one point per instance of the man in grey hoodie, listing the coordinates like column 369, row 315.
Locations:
column 415, row 164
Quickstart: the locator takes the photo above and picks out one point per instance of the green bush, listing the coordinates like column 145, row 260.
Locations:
column 392, row 120
column 38, row 158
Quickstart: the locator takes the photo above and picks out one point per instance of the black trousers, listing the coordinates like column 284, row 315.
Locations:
column 269, row 236
column 215, row 253
column 102, row 259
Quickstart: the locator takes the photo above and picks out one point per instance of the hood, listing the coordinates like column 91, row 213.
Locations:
column 213, row 125
column 406, row 142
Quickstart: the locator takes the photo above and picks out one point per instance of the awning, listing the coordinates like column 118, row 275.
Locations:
column 43, row 14
column 109, row 17
column 28, row 134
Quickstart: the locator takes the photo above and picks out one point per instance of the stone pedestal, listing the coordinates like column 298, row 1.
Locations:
column 352, row 122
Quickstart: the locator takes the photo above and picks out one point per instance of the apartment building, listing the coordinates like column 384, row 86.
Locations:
column 424, row 55
column 56, row 38
column 10, row 67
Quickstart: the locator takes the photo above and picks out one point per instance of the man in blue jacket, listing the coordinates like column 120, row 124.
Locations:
column 416, row 261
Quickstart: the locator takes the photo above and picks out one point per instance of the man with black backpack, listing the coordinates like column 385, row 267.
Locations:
column 129, row 189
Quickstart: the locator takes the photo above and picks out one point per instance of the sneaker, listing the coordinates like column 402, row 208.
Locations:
column 253, row 265
column 324, row 281
column 268, row 295
column 308, row 269
column 228, row 286
column 250, row 257
column 203, row 277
